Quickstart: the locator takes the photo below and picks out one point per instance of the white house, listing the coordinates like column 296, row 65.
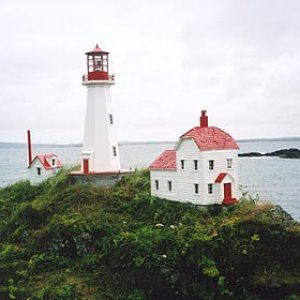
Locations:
column 202, row 169
column 43, row 166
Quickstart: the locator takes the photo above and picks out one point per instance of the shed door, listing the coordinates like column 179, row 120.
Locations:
column 86, row 169
column 227, row 190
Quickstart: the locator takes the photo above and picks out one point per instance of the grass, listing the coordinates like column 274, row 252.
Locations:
column 60, row 240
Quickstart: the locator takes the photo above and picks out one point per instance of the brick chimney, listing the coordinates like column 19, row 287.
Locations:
column 203, row 119
column 29, row 147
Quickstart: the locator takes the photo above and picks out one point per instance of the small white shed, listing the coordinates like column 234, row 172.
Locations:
column 202, row 169
column 43, row 166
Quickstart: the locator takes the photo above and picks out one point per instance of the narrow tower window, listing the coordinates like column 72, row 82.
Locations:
column 111, row 119
column 114, row 149
column 156, row 184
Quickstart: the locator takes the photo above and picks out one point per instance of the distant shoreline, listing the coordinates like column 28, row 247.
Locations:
column 4, row 145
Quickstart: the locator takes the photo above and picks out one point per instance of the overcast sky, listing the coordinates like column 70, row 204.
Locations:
column 238, row 59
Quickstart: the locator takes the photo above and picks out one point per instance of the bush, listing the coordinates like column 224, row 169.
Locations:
column 66, row 292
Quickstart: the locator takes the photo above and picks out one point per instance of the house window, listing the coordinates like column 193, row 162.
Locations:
column 170, row 185
column 114, row 149
column 182, row 164
column 229, row 163
column 195, row 164
column 39, row 171
column 53, row 161
column 196, row 186
column 210, row 188
column 210, row 164
column 111, row 120
column 156, row 184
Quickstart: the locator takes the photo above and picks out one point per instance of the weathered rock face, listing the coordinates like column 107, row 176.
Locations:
column 285, row 153
column 278, row 214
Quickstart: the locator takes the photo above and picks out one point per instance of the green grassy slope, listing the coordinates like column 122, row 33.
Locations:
column 67, row 241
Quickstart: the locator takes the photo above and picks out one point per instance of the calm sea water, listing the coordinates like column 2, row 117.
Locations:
column 273, row 179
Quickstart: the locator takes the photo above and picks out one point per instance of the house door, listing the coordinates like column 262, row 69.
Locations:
column 227, row 191
column 86, row 169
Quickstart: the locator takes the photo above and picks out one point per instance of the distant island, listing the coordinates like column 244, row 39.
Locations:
column 285, row 153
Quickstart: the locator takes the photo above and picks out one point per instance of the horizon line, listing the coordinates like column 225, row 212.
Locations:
column 78, row 144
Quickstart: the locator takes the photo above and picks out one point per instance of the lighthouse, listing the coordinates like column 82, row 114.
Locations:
column 100, row 153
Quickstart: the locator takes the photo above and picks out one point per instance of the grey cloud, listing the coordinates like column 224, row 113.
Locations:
column 171, row 59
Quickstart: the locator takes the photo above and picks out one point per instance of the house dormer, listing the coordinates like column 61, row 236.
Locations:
column 52, row 161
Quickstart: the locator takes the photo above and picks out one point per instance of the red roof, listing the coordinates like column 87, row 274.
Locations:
column 43, row 158
column 96, row 49
column 220, row 177
column 166, row 161
column 210, row 138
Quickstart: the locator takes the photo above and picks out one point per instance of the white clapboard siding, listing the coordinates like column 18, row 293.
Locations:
column 188, row 151
column 33, row 175
column 220, row 166
column 163, row 176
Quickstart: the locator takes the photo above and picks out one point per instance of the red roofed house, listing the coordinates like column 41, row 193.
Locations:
column 202, row 169
column 43, row 166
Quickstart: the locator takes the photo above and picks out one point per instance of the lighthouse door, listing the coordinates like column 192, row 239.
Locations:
column 227, row 191
column 86, row 169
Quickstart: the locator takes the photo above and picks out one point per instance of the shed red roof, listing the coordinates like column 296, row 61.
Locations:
column 43, row 158
column 166, row 161
column 210, row 138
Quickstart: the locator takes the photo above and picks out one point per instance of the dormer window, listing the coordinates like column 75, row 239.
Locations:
column 53, row 161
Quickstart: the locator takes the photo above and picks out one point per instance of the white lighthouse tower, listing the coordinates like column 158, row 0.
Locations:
column 100, row 153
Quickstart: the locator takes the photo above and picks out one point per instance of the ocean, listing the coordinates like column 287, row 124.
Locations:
column 268, row 178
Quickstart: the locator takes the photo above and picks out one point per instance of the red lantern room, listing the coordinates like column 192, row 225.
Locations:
column 97, row 64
